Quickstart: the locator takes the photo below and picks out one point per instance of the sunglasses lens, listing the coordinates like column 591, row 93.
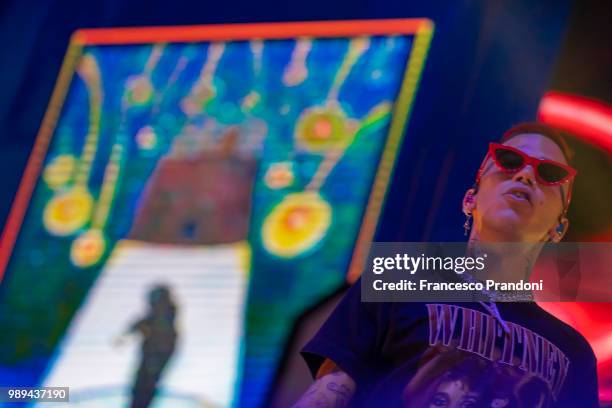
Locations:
column 509, row 159
column 552, row 173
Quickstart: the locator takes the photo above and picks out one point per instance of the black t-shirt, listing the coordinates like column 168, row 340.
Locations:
column 456, row 355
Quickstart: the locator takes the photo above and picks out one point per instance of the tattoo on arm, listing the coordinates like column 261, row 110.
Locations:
column 333, row 390
column 342, row 391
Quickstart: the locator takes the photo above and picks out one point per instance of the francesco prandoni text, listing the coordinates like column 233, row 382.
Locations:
column 489, row 284
column 413, row 264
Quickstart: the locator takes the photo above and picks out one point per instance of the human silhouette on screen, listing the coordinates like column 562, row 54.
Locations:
column 158, row 342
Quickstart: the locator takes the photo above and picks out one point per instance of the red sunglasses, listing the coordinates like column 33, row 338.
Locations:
column 547, row 172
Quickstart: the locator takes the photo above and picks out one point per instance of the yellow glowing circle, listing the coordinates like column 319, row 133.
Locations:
column 59, row 171
column 296, row 224
column 67, row 212
column 88, row 248
column 279, row 175
column 139, row 90
column 320, row 129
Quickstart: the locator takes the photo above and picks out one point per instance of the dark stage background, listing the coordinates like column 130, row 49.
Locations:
column 489, row 65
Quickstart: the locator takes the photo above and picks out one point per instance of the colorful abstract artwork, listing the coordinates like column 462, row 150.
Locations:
column 242, row 168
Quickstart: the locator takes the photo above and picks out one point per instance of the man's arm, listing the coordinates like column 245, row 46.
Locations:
column 333, row 388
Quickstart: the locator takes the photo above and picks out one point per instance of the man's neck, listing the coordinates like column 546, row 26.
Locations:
column 505, row 262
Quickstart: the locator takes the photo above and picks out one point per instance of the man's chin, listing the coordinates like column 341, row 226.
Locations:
column 506, row 226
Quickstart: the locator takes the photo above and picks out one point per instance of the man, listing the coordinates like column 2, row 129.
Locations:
column 468, row 355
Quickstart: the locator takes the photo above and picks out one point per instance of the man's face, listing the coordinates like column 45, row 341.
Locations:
column 515, row 207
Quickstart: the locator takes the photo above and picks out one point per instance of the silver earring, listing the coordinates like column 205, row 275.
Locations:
column 468, row 223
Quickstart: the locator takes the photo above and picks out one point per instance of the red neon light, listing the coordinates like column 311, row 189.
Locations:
column 592, row 321
column 585, row 118
column 590, row 121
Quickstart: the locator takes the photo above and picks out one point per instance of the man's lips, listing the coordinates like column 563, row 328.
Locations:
column 520, row 194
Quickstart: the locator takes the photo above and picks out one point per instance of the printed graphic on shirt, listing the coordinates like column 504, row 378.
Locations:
column 474, row 362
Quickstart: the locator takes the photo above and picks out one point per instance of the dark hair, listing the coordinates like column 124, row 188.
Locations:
column 540, row 129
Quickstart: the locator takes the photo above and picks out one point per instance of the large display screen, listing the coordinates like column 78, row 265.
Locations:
column 193, row 191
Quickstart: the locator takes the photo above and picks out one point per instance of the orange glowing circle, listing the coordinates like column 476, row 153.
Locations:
column 296, row 218
column 88, row 248
column 320, row 129
column 296, row 224
column 279, row 175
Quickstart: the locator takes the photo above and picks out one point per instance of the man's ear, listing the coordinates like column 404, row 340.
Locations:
column 469, row 201
column 556, row 233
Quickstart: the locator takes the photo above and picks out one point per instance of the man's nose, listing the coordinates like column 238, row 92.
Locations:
column 525, row 175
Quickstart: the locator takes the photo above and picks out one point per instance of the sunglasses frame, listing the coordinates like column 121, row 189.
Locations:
column 534, row 162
